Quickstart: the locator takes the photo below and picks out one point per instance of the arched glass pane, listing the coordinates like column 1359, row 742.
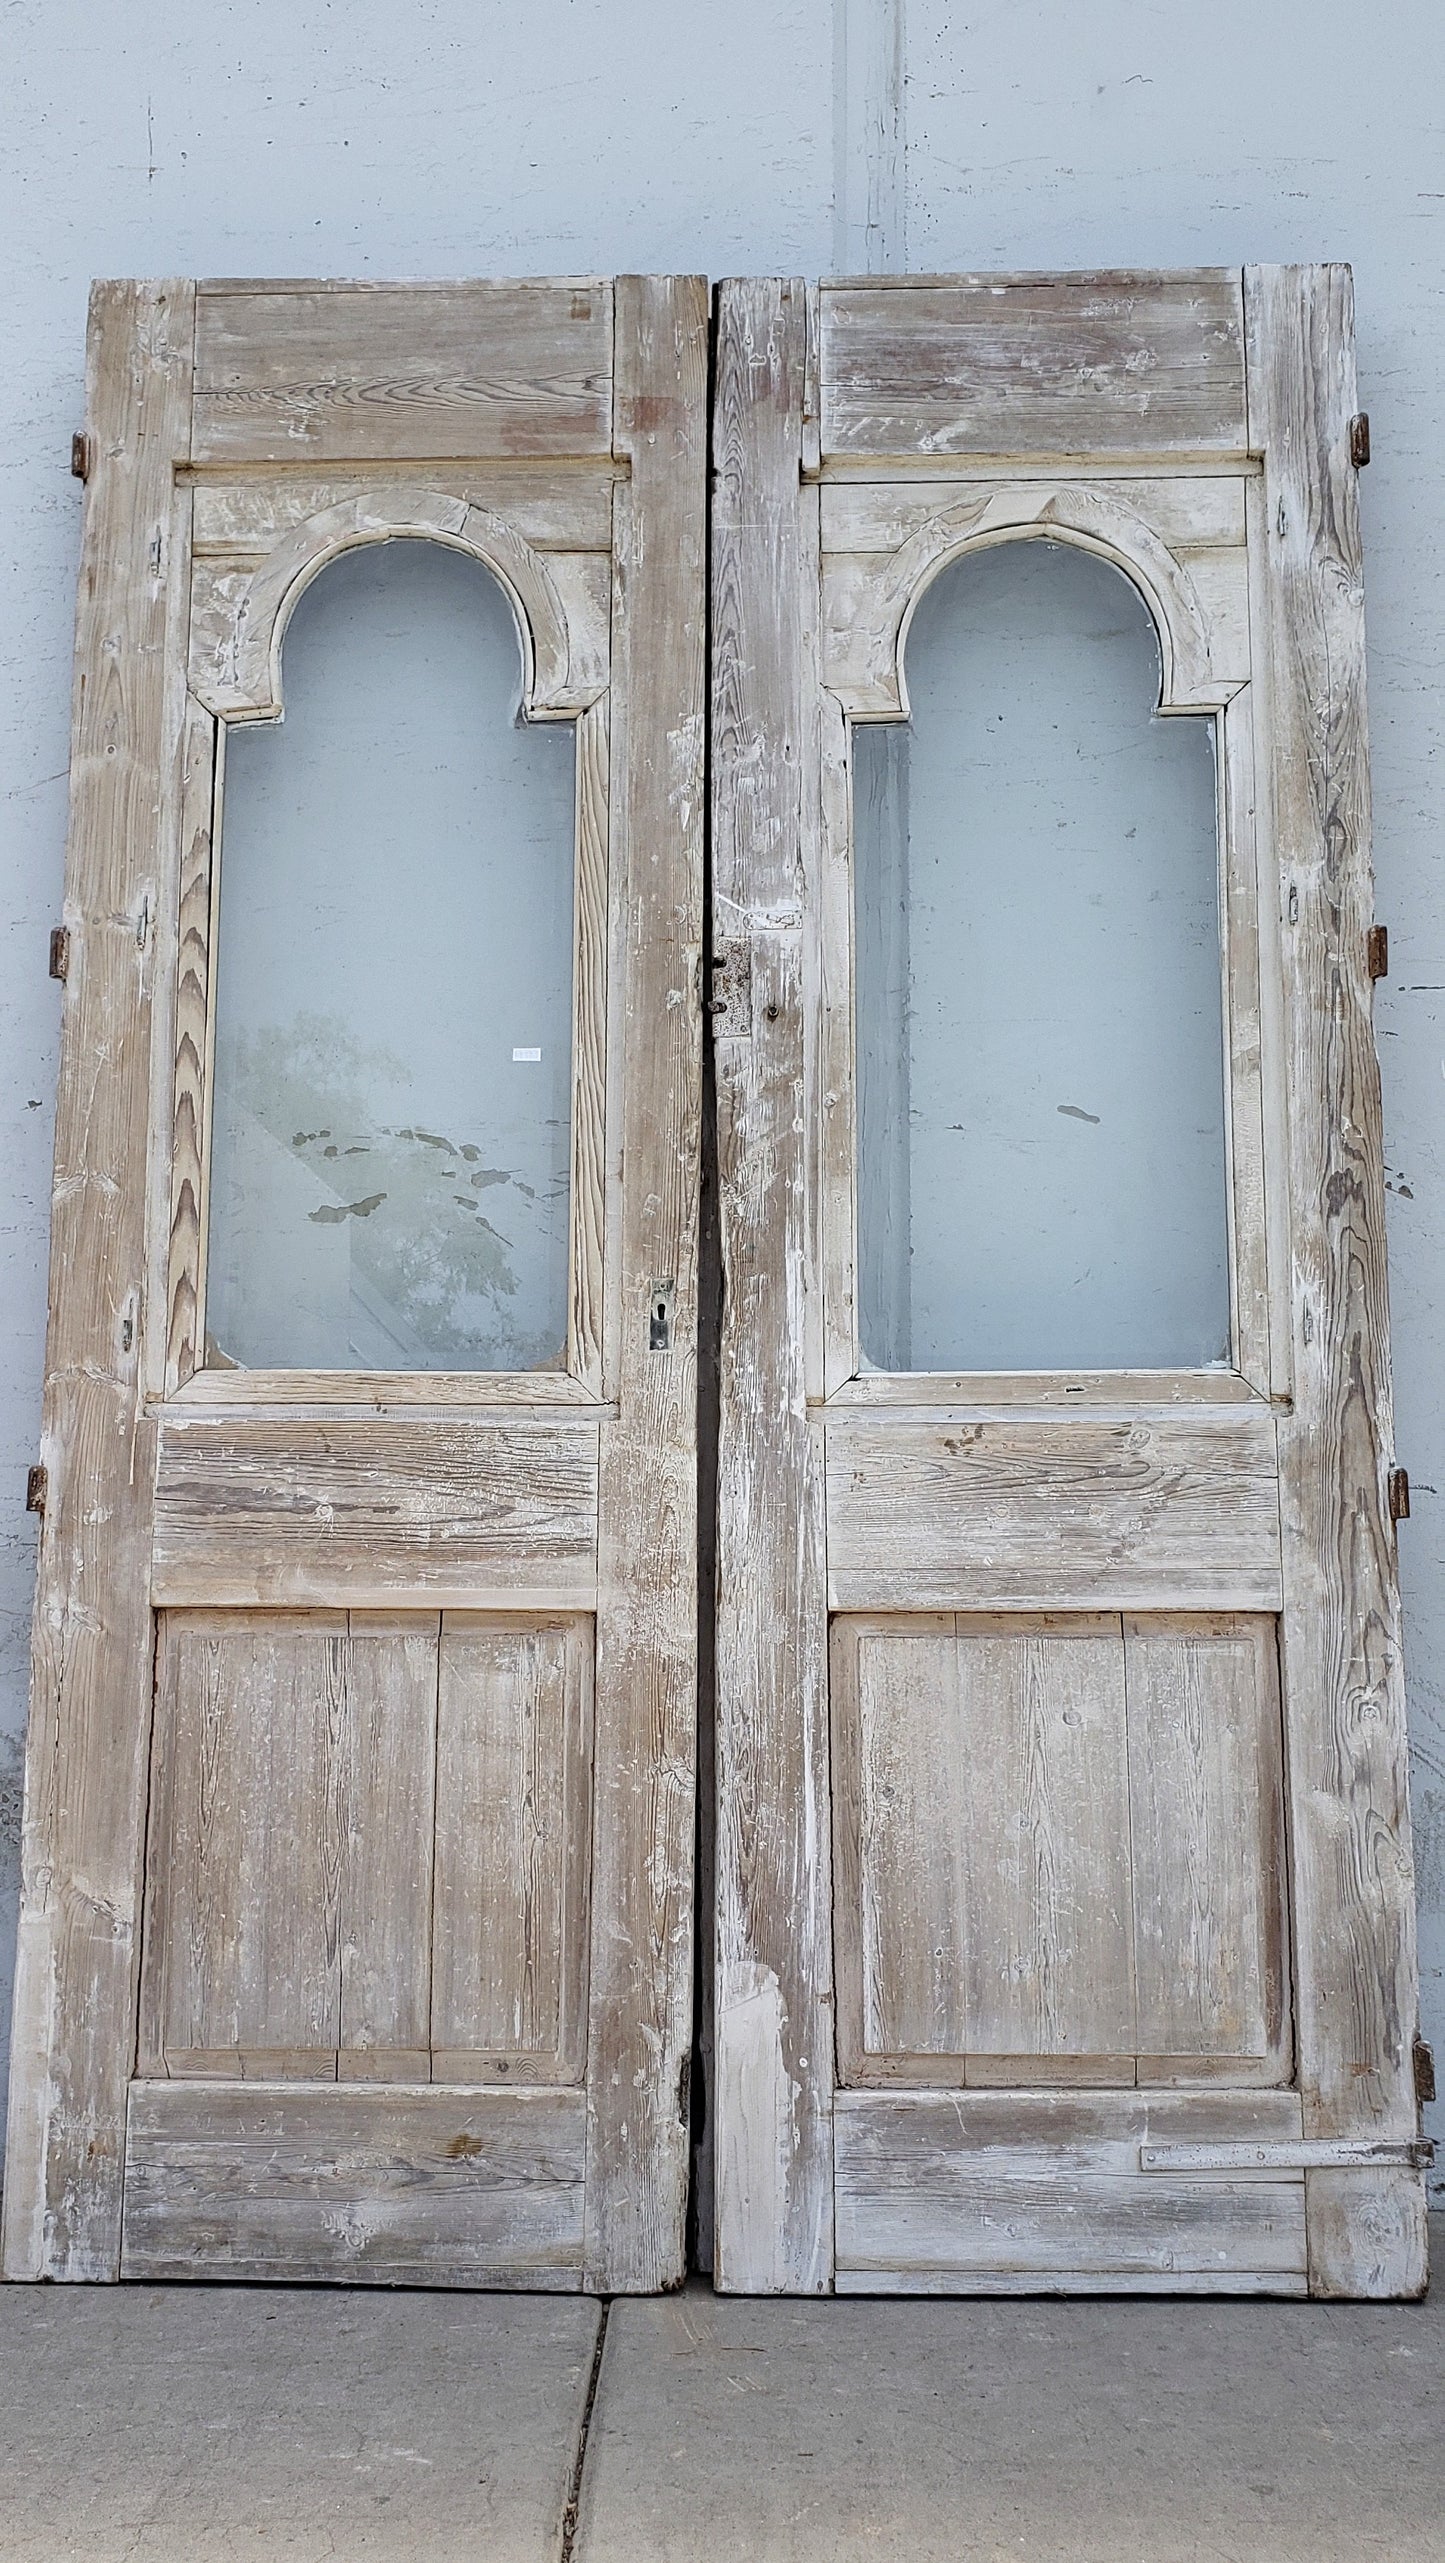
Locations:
column 392, row 1095
column 1039, row 1020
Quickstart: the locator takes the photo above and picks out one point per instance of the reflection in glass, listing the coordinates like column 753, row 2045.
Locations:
column 391, row 1124
column 1039, row 1020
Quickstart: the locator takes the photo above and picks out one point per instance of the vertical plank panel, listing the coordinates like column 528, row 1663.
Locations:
column 192, row 1902
column 640, row 2029
column 387, row 1848
column 915, row 1808
column 774, row 1966
column 90, row 1706
column 288, row 1694
column 1204, row 1794
column 1041, row 1740
column 1343, row 1683
column 253, row 1759
column 511, row 1842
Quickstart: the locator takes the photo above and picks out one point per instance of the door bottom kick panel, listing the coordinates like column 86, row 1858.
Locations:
column 1070, row 2282
column 363, row 2184
column 939, row 2192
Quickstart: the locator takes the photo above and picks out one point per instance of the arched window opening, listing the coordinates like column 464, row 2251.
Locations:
column 1041, row 1153
column 391, row 1129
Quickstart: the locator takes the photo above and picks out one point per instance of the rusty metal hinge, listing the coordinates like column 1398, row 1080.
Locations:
column 1321, row 2153
column 60, row 952
column 1377, row 952
column 37, row 1484
column 1424, row 2057
column 1360, row 439
column 730, row 996
column 1399, row 1494
column 82, row 454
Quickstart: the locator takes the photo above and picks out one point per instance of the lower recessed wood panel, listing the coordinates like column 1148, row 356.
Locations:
column 944, row 2193
column 369, row 1848
column 1046, row 1511
column 1058, row 1849
column 508, row 1987
column 435, row 2188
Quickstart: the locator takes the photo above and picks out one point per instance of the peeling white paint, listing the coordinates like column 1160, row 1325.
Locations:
column 755, row 2114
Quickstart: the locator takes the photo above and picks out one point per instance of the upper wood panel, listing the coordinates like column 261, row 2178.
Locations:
column 1035, row 365
column 370, row 373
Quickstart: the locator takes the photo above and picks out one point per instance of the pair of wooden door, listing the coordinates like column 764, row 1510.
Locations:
column 1063, row 1929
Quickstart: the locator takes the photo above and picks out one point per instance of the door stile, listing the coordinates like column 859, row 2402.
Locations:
column 91, row 1699
column 640, row 2036
column 774, row 2073
column 1354, row 1934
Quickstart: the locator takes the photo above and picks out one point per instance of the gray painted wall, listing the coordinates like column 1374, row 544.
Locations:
column 455, row 137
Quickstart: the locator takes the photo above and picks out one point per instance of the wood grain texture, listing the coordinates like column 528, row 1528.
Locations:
column 640, row 2002
column 186, row 1247
column 558, row 509
column 366, row 372
column 942, row 2193
column 363, row 2186
column 981, row 1798
column 1042, row 365
column 513, row 1834
column 1368, row 2234
column 289, row 1879
column 1206, row 1833
column 273, row 1510
column 1190, row 515
column 90, row 1699
column 1173, row 1512
column 774, row 2012
column 589, row 1051
column 1355, row 1956
column 369, row 1848
column 1058, row 1851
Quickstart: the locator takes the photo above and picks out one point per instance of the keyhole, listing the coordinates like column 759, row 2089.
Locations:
column 659, row 1325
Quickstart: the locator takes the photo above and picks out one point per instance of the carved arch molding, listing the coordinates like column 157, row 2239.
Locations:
column 240, row 613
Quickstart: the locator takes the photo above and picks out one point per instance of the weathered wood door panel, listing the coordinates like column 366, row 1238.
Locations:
column 356, row 1935
column 1101, row 1974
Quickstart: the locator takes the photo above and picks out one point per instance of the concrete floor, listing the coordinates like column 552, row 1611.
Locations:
column 268, row 2425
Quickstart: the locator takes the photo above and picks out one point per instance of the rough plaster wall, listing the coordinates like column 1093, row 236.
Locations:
column 444, row 137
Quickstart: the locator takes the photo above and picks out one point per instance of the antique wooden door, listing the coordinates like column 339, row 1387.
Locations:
column 357, row 1935
column 1064, row 1909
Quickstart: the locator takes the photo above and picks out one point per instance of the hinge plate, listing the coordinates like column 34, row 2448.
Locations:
column 1424, row 2059
column 1377, row 951
column 1332, row 2153
column 730, row 996
column 1360, row 439
column 60, row 952
column 82, row 454
column 37, row 1486
column 1398, row 1491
